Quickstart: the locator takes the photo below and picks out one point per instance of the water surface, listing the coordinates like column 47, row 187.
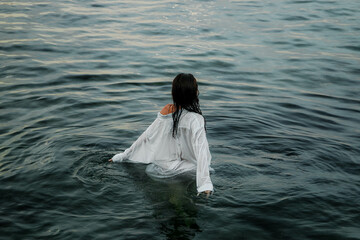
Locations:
column 279, row 86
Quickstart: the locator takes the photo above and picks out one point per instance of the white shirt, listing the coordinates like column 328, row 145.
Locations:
column 169, row 156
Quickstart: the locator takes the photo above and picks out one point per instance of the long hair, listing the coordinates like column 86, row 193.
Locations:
column 185, row 95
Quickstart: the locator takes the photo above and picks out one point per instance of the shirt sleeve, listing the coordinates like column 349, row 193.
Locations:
column 139, row 151
column 203, row 157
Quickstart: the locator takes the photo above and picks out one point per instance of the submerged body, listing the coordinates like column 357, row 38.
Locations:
column 169, row 156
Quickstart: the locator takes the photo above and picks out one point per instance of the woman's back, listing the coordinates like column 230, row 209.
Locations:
column 179, row 147
column 176, row 141
column 169, row 156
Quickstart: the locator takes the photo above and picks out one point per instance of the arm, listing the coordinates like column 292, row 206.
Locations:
column 140, row 142
column 137, row 145
column 203, row 157
column 139, row 151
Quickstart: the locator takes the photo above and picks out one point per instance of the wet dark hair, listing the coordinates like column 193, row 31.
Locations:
column 185, row 95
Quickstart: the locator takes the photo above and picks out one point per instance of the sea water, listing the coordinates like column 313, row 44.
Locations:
column 279, row 87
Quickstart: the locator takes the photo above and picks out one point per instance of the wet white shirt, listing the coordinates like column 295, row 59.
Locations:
column 168, row 156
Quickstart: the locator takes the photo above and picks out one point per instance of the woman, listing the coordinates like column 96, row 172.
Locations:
column 176, row 141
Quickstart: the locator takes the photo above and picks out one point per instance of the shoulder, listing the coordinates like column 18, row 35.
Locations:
column 169, row 108
column 195, row 119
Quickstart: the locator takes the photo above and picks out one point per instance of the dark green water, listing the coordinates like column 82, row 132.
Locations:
column 279, row 86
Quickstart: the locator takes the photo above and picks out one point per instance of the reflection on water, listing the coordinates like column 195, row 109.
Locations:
column 173, row 202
